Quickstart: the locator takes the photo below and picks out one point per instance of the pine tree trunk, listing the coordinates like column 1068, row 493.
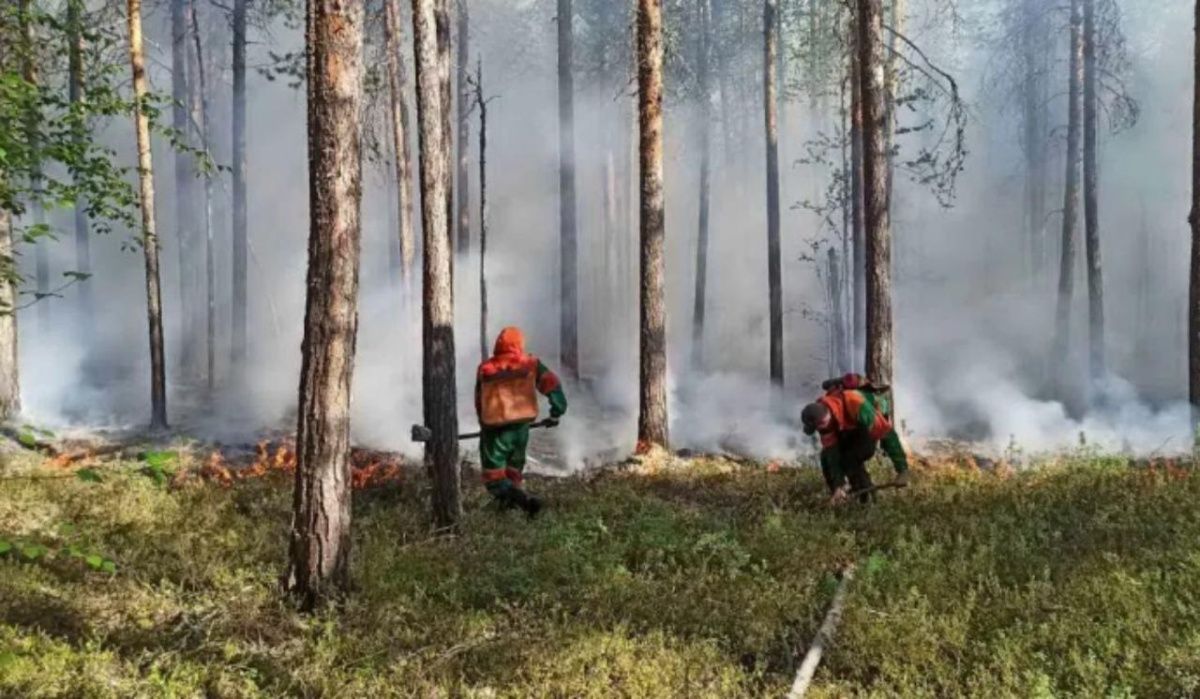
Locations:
column 158, row 370
column 397, row 81
column 445, row 71
column 185, row 193
column 899, row 12
column 1091, row 202
column 1033, row 46
column 463, row 190
column 432, row 49
column 652, row 418
column 858, row 239
column 1066, row 281
column 837, row 325
column 320, row 537
column 774, row 263
column 481, row 102
column 705, row 136
column 10, row 376
column 876, row 203
column 569, row 322
column 241, row 248
column 83, row 251
column 1194, row 220
column 200, row 105
column 35, row 209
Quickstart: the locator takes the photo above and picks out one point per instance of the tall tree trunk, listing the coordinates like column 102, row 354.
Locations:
column 1194, row 220
column 83, row 251
column 1091, row 202
column 837, row 319
column 705, row 136
column 432, row 48
column 858, row 239
column 569, row 321
column 33, row 127
column 158, row 364
column 320, row 537
column 1034, row 48
column 652, row 417
column 445, row 71
column 1066, row 280
column 770, row 110
column 185, row 180
column 876, row 203
column 899, row 12
column 241, row 248
column 463, row 190
column 10, row 375
column 397, row 80
column 481, row 102
column 200, row 107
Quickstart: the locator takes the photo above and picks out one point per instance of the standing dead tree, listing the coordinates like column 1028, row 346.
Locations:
column 481, row 103
column 319, row 549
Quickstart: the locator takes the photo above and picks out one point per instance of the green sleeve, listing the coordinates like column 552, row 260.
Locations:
column 831, row 465
column 558, row 399
column 895, row 451
column 866, row 414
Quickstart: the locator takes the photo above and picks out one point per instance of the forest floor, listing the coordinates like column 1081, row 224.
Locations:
column 699, row 578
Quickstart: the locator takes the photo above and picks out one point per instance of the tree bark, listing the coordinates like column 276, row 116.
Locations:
column 185, row 179
column 10, row 375
column 36, row 210
column 705, row 136
column 876, row 193
column 837, row 320
column 241, row 247
column 398, row 80
column 1066, row 280
column 899, row 12
column 158, row 370
column 320, row 537
column 774, row 263
column 1194, row 220
column 858, row 239
column 569, row 284
column 463, row 190
column 200, row 105
column 652, row 417
column 481, row 102
column 1034, row 48
column 432, row 48
column 1091, row 202
column 83, row 251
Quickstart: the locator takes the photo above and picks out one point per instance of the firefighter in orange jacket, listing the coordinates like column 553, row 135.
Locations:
column 853, row 419
column 506, row 388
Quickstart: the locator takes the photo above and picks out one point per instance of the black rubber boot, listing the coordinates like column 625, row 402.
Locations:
column 531, row 505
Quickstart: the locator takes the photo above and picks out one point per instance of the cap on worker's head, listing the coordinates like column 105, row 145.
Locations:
column 511, row 341
column 813, row 415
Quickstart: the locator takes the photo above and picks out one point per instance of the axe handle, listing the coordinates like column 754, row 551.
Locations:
column 535, row 425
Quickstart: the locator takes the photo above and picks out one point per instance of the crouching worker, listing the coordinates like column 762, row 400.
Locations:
column 506, row 388
column 853, row 419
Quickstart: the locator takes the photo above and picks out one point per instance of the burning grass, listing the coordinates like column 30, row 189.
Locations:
column 701, row 580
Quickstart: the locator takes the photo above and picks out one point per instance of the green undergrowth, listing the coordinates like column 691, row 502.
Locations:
column 1077, row 580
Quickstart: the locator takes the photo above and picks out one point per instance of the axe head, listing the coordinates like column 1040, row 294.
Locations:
column 421, row 433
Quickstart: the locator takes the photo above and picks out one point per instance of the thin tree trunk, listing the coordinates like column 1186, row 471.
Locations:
column 240, row 241
column 1091, row 203
column 1194, row 220
column 700, row 298
column 320, row 536
column 158, row 370
column 483, row 212
column 445, row 70
column 432, row 49
column 774, row 263
column 201, row 103
column 35, row 208
column 569, row 330
column 463, row 190
column 185, row 180
column 1066, row 281
column 83, row 252
column 652, row 417
column 1035, row 210
column 397, row 79
column 10, row 375
column 837, row 321
column 876, row 203
column 856, row 200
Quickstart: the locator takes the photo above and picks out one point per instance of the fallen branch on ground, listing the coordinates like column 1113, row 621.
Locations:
column 824, row 637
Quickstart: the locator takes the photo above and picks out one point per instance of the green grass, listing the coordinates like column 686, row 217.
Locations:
column 1080, row 580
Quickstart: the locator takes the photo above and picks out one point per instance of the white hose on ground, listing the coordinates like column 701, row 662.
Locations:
column 824, row 637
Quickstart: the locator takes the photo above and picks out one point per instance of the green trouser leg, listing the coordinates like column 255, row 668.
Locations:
column 502, row 457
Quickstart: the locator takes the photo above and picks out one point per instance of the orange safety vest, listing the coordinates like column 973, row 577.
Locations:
column 508, row 383
column 845, row 406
